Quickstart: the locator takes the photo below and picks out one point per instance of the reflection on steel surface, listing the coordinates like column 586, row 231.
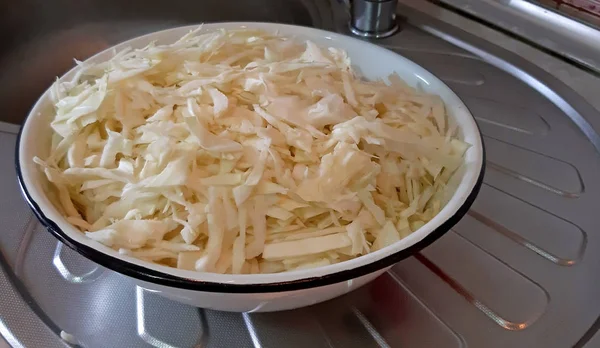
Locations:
column 397, row 314
column 64, row 271
column 520, row 240
column 551, row 174
column 439, row 61
column 487, row 282
column 370, row 329
column 532, row 181
column 31, row 225
column 560, row 235
column 251, row 330
column 141, row 322
column 516, row 118
column 164, row 324
column 471, row 298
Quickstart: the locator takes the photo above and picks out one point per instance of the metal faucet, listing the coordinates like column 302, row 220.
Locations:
column 373, row 18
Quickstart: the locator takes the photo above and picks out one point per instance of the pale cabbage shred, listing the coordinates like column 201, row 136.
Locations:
column 245, row 152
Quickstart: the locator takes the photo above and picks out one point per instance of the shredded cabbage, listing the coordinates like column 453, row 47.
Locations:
column 243, row 152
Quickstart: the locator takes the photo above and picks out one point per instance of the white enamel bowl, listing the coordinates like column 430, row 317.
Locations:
column 265, row 292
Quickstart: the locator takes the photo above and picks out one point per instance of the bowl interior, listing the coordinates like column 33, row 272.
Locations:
column 370, row 61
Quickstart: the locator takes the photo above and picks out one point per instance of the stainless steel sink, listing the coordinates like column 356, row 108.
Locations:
column 521, row 269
